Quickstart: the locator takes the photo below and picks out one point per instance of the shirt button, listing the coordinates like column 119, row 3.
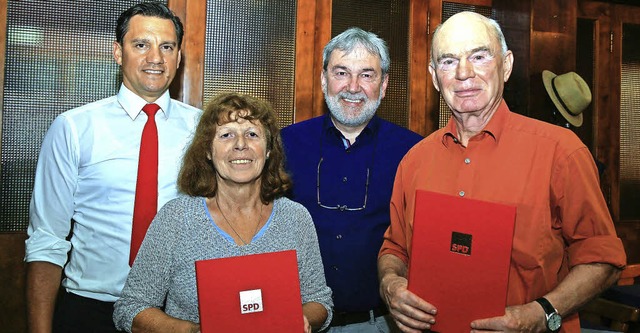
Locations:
column 339, row 237
column 461, row 193
column 335, row 268
column 467, row 160
column 344, row 179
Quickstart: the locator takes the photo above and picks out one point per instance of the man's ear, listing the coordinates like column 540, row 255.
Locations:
column 323, row 80
column 385, row 83
column 507, row 65
column 434, row 77
column 117, row 53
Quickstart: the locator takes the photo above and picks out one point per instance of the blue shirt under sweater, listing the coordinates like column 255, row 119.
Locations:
column 349, row 239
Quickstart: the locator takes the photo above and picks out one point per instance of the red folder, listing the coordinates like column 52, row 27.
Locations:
column 253, row 293
column 460, row 258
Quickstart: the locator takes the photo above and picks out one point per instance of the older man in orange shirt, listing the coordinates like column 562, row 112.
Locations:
column 565, row 249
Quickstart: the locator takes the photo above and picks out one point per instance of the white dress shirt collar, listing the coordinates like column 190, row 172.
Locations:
column 133, row 103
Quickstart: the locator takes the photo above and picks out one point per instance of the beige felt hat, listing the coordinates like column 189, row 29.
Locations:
column 569, row 93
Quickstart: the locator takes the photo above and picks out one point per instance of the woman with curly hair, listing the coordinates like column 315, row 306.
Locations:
column 234, row 180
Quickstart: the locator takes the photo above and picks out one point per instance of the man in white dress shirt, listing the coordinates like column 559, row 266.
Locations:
column 83, row 197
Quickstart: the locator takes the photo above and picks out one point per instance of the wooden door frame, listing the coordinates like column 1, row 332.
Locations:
column 313, row 31
column 188, row 85
column 606, row 115
column 623, row 14
column 608, row 20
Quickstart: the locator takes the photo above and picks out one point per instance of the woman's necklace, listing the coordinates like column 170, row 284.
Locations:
column 232, row 228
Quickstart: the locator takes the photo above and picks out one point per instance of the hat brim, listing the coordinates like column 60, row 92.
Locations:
column 547, row 77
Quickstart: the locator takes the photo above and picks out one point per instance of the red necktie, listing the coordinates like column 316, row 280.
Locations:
column 146, row 202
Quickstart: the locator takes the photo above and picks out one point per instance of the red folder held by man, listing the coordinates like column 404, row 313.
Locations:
column 460, row 258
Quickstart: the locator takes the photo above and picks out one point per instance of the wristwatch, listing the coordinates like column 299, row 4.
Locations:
column 554, row 321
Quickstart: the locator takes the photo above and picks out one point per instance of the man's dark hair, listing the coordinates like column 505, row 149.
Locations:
column 153, row 9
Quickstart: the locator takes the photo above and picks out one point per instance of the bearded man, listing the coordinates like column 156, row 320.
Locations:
column 343, row 165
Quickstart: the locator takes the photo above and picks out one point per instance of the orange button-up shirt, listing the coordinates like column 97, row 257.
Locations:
column 542, row 169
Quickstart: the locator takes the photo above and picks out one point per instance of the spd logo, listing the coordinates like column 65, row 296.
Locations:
column 461, row 243
column 251, row 301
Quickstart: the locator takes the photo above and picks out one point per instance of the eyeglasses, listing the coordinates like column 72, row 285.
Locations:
column 341, row 207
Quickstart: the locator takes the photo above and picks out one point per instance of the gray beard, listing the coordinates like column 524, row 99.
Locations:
column 344, row 117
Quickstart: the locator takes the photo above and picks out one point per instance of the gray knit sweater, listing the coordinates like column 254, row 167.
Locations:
column 183, row 232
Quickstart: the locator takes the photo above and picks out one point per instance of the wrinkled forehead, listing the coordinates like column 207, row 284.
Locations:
column 358, row 55
column 463, row 35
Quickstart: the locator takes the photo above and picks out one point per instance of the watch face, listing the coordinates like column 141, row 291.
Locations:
column 554, row 321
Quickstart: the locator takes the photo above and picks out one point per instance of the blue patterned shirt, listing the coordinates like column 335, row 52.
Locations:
column 350, row 236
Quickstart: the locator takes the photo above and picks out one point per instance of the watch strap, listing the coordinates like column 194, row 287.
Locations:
column 546, row 305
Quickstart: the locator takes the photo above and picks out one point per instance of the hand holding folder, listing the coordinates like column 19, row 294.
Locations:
column 460, row 257
column 258, row 292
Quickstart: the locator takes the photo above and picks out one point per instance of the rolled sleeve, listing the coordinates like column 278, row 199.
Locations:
column 51, row 207
column 43, row 246
column 598, row 249
column 587, row 226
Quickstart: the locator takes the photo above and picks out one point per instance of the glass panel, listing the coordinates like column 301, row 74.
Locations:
column 250, row 48
column 629, row 121
column 449, row 9
column 389, row 19
column 57, row 58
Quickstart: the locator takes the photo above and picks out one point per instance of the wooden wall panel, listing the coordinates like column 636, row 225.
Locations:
column 313, row 31
column 305, row 55
column 605, row 104
column 432, row 96
column 322, row 37
column 630, row 235
column 628, row 230
column 188, row 86
column 12, row 282
column 515, row 19
column 552, row 51
column 553, row 45
column 419, row 79
column 607, row 117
